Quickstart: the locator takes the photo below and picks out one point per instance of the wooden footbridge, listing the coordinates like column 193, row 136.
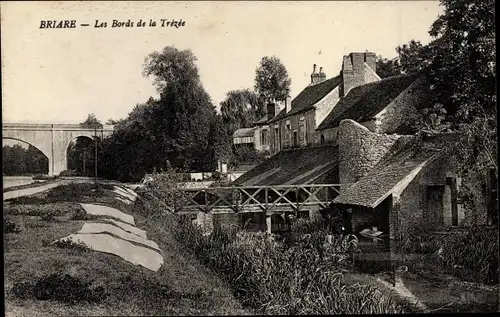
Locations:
column 272, row 199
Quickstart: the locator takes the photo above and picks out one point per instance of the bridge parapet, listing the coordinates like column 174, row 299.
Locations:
column 53, row 127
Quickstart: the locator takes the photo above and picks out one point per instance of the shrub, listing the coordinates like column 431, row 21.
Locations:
column 10, row 227
column 59, row 287
column 472, row 253
column 305, row 277
column 70, row 244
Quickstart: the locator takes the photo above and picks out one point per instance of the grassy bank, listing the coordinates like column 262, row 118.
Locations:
column 467, row 253
column 44, row 279
column 300, row 277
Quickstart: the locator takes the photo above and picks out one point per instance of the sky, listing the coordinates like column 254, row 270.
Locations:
column 62, row 75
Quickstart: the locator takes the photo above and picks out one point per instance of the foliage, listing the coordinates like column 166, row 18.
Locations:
column 10, row 227
column 460, row 64
column 241, row 109
column 247, row 155
column 271, row 79
column 387, row 68
column 176, row 128
column 59, row 287
column 18, row 160
column 303, row 278
column 470, row 253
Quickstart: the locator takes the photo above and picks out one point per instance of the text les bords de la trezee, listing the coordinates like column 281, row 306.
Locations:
column 71, row 24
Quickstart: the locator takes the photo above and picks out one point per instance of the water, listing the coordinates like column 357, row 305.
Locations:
column 11, row 181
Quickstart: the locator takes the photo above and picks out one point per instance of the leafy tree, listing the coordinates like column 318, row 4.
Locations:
column 172, row 132
column 14, row 160
column 219, row 142
column 414, row 56
column 461, row 63
column 18, row 160
column 241, row 109
column 387, row 68
column 271, row 79
column 184, row 112
column 91, row 121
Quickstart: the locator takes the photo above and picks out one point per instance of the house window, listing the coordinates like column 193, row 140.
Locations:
column 295, row 138
column 276, row 139
column 322, row 139
column 263, row 135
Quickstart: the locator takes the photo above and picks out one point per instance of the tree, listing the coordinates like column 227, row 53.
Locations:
column 271, row 79
column 387, row 68
column 241, row 109
column 460, row 63
column 174, row 131
column 91, row 121
column 184, row 112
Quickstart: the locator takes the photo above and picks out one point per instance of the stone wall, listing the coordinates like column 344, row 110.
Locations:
column 360, row 149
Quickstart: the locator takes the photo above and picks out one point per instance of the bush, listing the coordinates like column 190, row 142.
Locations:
column 10, row 227
column 472, row 253
column 59, row 287
column 70, row 244
column 305, row 277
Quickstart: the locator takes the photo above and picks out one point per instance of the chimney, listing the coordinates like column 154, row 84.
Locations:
column 314, row 76
column 353, row 70
column 271, row 110
column 288, row 103
column 370, row 60
column 321, row 75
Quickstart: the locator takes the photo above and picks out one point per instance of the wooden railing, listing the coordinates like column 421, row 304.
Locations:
column 275, row 198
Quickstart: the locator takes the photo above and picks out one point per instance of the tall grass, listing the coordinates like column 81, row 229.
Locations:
column 470, row 253
column 305, row 277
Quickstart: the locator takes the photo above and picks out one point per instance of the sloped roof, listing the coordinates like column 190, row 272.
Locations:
column 365, row 101
column 309, row 97
column 262, row 120
column 392, row 174
column 294, row 166
column 244, row 132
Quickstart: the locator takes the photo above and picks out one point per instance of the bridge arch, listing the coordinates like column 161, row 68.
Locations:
column 52, row 139
column 32, row 169
column 80, row 155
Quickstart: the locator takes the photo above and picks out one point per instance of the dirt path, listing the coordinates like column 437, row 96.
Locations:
column 31, row 190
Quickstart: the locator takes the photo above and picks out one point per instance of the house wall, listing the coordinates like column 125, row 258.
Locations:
column 324, row 107
column 303, row 123
column 413, row 208
column 261, row 144
column 360, row 149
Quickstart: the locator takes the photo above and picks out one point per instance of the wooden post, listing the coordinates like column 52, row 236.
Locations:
column 268, row 223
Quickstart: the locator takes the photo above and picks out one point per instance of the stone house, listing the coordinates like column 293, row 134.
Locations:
column 399, row 182
column 386, row 106
column 293, row 123
column 258, row 136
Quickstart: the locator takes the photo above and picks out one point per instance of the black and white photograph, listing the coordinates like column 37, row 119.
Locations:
column 182, row 158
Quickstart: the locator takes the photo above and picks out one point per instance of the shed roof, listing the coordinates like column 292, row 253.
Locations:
column 294, row 166
column 243, row 132
column 394, row 173
column 309, row 97
column 365, row 101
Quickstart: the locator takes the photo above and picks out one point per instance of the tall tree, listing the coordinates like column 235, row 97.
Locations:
column 184, row 112
column 241, row 109
column 461, row 63
column 271, row 79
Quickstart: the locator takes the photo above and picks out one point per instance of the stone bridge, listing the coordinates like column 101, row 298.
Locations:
column 52, row 139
